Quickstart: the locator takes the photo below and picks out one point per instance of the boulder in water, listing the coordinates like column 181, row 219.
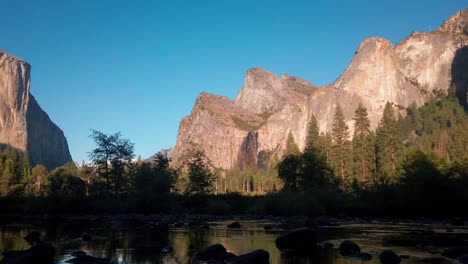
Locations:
column 389, row 257
column 348, row 248
column 216, row 252
column 259, row 256
column 234, row 225
column 301, row 240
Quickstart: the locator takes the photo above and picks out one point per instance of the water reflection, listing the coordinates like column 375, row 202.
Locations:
column 143, row 245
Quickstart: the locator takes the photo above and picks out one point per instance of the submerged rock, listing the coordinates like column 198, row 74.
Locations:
column 39, row 253
column 85, row 259
column 259, row 256
column 234, row 225
column 463, row 259
column 348, row 248
column 302, row 239
column 455, row 251
column 216, row 251
column 389, row 257
column 326, row 221
column 457, row 221
column 361, row 256
column 86, row 237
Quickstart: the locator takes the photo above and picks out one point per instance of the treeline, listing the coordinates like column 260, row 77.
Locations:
column 416, row 165
column 436, row 132
column 409, row 164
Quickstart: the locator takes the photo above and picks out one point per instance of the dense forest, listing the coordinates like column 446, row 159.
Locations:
column 411, row 165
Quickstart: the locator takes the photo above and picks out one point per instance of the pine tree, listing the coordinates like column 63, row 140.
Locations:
column 363, row 147
column 291, row 146
column 388, row 144
column 326, row 144
column 26, row 168
column 7, row 177
column 201, row 178
column 341, row 148
column 313, row 134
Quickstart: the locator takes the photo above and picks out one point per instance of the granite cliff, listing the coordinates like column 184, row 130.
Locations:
column 251, row 129
column 23, row 124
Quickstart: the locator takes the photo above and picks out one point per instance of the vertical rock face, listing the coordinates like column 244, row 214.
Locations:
column 255, row 126
column 247, row 156
column 23, row 124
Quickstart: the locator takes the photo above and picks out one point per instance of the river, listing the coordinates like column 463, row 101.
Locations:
column 141, row 241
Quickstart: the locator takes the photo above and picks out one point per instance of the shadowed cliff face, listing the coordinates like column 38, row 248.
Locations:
column 23, row 124
column 46, row 142
column 241, row 133
column 460, row 76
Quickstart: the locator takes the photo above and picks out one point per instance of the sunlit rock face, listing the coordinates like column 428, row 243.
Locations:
column 254, row 127
column 23, row 124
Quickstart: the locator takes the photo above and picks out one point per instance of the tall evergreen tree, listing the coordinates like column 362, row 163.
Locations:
column 326, row 144
column 388, row 144
column 201, row 178
column 341, row 147
column 26, row 169
column 7, row 179
column 313, row 134
column 363, row 147
column 291, row 146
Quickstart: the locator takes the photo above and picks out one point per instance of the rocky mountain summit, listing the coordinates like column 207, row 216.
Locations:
column 253, row 128
column 23, row 124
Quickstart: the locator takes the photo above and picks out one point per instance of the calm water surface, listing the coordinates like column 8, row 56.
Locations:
column 141, row 244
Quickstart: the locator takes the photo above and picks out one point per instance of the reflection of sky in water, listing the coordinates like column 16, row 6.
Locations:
column 143, row 245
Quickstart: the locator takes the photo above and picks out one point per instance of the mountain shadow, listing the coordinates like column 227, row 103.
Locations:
column 459, row 86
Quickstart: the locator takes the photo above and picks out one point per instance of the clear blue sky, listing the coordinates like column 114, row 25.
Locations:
column 138, row 66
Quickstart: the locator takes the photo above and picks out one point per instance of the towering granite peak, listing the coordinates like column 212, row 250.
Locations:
column 261, row 92
column 23, row 124
column 254, row 128
column 456, row 24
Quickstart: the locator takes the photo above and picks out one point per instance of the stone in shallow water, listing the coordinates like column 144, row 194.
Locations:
column 215, row 252
column 463, row 259
column 301, row 240
column 259, row 256
column 455, row 251
column 234, row 225
column 348, row 248
column 389, row 257
column 85, row 259
column 361, row 256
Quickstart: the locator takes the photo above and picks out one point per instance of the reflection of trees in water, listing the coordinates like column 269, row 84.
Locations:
column 142, row 245
column 12, row 239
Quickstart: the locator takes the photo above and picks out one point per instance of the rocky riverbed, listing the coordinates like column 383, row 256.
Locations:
column 241, row 239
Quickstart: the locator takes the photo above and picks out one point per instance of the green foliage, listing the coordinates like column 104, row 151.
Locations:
column 37, row 186
column 313, row 134
column 429, row 145
column 200, row 176
column 340, row 158
column 7, row 179
column 153, row 183
column 308, row 171
column 63, row 183
column 289, row 170
column 389, row 145
column 291, row 146
column 439, row 126
column 112, row 156
column 363, row 146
